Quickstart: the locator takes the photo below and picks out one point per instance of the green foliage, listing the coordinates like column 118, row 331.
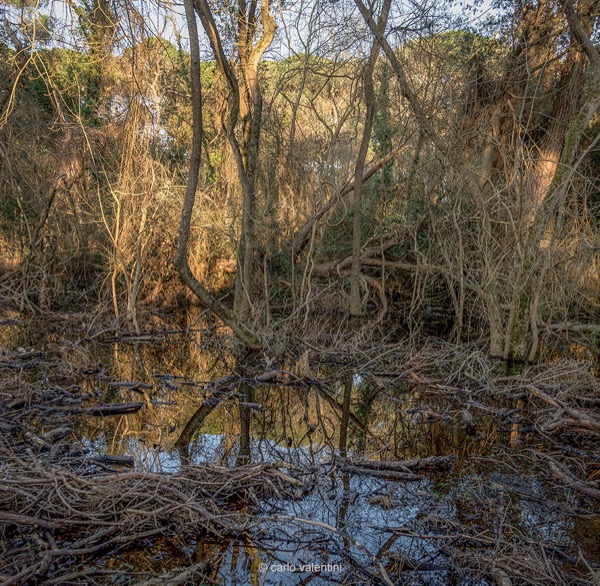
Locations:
column 76, row 78
column 463, row 47
column 209, row 74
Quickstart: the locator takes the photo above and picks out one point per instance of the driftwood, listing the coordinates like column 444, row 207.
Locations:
column 100, row 410
column 113, row 460
column 55, row 435
column 394, row 475
column 131, row 385
column 83, row 518
column 105, row 410
column 399, row 470
column 430, row 463
column 565, row 416
column 562, row 473
column 72, row 457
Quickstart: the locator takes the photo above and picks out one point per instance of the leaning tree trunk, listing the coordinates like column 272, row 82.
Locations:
column 371, row 102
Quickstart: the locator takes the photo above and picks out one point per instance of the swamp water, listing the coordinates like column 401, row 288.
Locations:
column 346, row 524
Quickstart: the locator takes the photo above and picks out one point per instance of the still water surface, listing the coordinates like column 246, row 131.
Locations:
column 338, row 528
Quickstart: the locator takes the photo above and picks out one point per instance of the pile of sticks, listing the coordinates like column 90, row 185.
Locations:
column 64, row 512
column 54, row 520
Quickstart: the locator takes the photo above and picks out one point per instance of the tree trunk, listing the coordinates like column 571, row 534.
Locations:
column 371, row 102
column 573, row 109
column 180, row 262
column 245, row 102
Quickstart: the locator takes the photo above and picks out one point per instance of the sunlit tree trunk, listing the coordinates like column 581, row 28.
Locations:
column 249, row 338
column 573, row 109
column 245, row 106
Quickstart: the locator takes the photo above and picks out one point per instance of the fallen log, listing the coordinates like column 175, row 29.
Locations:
column 16, row 519
column 577, row 418
column 396, row 475
column 100, row 410
column 131, row 385
column 114, row 460
column 562, row 473
column 105, row 410
column 430, row 463
column 55, row 435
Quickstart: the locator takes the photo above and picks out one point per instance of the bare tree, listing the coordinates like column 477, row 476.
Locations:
column 371, row 103
column 255, row 31
column 180, row 261
column 540, row 173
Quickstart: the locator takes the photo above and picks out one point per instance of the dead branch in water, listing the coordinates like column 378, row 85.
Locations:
column 78, row 512
column 430, row 463
column 562, row 473
column 87, row 517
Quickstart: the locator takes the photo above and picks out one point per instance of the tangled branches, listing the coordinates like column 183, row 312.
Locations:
column 63, row 512
column 55, row 520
